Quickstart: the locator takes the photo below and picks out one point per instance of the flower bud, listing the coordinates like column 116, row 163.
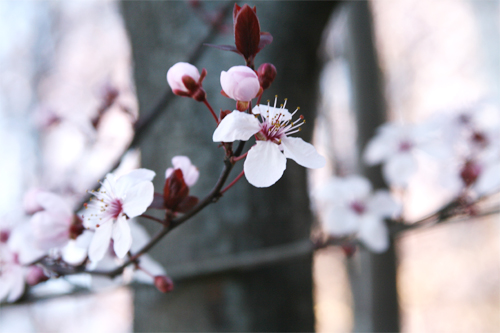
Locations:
column 469, row 173
column 163, row 283
column 35, row 275
column 185, row 80
column 267, row 74
column 240, row 83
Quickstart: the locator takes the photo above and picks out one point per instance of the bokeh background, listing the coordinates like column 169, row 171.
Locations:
column 244, row 264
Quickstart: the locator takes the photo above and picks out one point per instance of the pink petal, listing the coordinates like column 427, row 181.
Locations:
column 236, row 126
column 138, row 198
column 340, row 221
column 382, row 204
column 374, row 233
column 399, row 168
column 264, row 164
column 100, row 242
column 54, row 203
column 131, row 179
column 177, row 71
column 122, row 237
column 302, row 152
column 17, row 287
column 189, row 171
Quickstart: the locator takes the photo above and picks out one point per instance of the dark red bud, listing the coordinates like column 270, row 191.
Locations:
column 186, row 204
column 199, row 95
column 267, row 74
column 76, row 228
column 4, row 236
column 163, row 283
column 35, row 275
column 349, row 250
column 190, row 83
column 175, row 190
column 469, row 173
column 246, row 31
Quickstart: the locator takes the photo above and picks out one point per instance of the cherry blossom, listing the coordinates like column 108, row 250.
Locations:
column 265, row 162
column 240, row 83
column 176, row 73
column 56, row 224
column 12, row 275
column 189, row 171
column 115, row 202
column 350, row 207
column 395, row 146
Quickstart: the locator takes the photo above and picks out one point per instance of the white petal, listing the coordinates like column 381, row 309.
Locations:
column 489, row 179
column 100, row 242
column 374, row 233
column 264, row 164
column 122, row 237
column 17, row 287
column 356, row 188
column 189, row 171
column 54, row 203
column 383, row 145
column 399, row 168
column 272, row 112
column 340, row 221
column 138, row 198
column 302, row 152
column 236, row 126
column 125, row 182
column 382, row 204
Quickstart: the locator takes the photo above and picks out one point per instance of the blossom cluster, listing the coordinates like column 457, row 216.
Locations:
column 463, row 145
column 103, row 237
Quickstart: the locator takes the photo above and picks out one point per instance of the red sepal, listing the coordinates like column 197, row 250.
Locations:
column 186, row 204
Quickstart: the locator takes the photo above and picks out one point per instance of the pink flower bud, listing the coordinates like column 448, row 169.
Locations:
column 35, row 275
column 267, row 74
column 163, row 283
column 240, row 83
column 185, row 80
column 31, row 203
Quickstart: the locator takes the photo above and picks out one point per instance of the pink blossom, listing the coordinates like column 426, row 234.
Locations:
column 176, row 74
column 115, row 202
column 189, row 171
column 240, row 83
column 351, row 208
column 265, row 162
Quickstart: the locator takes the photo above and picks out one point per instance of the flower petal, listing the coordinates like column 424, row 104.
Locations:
column 302, row 152
column 17, row 287
column 100, row 242
column 236, row 126
column 134, row 177
column 54, row 203
column 399, row 168
column 272, row 112
column 489, row 179
column 122, row 237
column 382, row 204
column 264, row 164
column 138, row 198
column 374, row 233
column 340, row 221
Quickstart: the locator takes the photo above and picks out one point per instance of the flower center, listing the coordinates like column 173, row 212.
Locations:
column 405, row 146
column 276, row 123
column 114, row 209
column 358, row 207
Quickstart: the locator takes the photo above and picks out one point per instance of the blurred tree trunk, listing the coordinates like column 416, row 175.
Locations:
column 277, row 297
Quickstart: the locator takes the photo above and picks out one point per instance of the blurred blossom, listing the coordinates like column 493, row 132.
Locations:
column 351, row 208
column 395, row 146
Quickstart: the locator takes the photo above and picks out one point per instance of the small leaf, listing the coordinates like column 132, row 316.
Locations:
column 265, row 39
column 224, row 47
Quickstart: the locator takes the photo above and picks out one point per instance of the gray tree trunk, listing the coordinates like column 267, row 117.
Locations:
column 277, row 297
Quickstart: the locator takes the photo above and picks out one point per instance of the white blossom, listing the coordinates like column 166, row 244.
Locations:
column 189, row 171
column 265, row 162
column 115, row 202
column 350, row 207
